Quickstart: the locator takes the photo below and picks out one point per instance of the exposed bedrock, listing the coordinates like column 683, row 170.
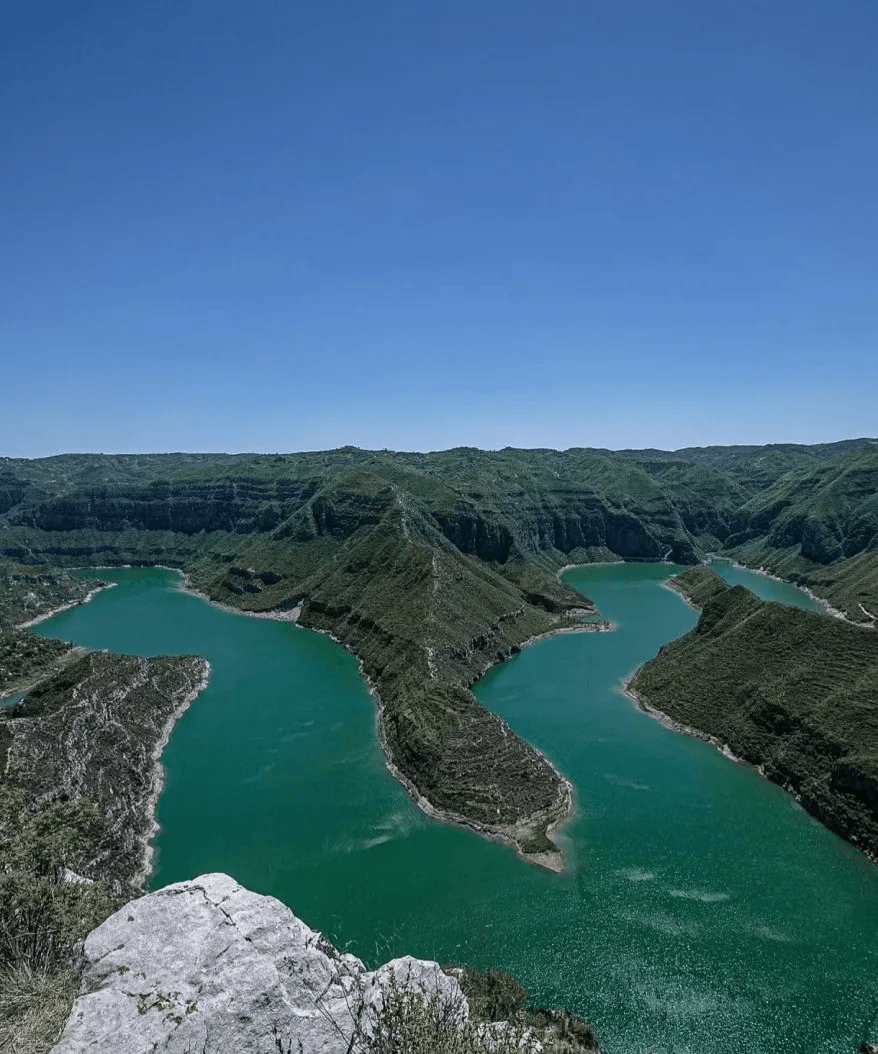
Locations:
column 829, row 512
column 563, row 529
column 206, row 965
column 304, row 510
column 12, row 491
column 238, row 505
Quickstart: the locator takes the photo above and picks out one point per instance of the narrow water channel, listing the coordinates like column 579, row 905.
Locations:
column 702, row 911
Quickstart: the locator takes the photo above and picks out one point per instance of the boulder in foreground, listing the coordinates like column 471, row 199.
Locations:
column 207, row 965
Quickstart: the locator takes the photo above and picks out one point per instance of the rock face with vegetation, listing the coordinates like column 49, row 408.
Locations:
column 206, row 965
column 28, row 594
column 794, row 692
column 95, row 731
column 432, row 567
column 79, row 778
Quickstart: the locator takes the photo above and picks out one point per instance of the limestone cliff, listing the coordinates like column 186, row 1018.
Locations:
column 209, row 966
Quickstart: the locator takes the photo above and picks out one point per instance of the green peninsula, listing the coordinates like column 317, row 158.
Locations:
column 430, row 568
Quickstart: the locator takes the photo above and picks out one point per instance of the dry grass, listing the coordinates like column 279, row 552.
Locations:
column 34, row 1007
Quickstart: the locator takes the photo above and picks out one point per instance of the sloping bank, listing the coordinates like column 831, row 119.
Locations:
column 791, row 691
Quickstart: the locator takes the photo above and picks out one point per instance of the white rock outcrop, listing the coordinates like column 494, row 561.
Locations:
column 208, row 967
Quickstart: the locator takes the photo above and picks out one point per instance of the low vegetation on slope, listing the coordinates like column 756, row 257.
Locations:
column 94, row 731
column 27, row 593
column 792, row 691
column 42, row 915
column 76, row 778
column 818, row 526
column 77, row 794
column 431, row 567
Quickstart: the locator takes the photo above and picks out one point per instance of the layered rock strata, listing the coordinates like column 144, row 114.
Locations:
column 432, row 567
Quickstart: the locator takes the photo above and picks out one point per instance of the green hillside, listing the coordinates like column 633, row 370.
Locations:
column 432, row 567
column 26, row 593
column 792, row 691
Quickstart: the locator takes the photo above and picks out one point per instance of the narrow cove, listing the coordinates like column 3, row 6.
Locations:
column 701, row 907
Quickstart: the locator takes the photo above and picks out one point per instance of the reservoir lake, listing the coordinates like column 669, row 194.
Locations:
column 702, row 909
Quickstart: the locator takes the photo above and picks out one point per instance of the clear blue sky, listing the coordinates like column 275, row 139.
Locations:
column 286, row 225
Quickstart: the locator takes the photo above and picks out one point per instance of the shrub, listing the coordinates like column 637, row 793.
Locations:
column 34, row 1007
column 42, row 916
column 406, row 1020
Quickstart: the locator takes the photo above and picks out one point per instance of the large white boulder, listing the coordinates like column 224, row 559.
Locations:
column 207, row 967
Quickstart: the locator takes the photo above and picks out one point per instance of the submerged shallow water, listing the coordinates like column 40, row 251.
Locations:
column 702, row 909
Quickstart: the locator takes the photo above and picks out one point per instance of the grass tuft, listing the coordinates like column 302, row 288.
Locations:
column 34, row 1006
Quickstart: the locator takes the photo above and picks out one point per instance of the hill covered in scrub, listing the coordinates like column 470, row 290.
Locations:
column 95, row 731
column 28, row 594
column 803, row 506
column 432, row 567
column 79, row 778
column 794, row 692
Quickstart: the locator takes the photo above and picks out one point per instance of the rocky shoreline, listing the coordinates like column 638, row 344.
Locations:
column 506, row 835
column 647, row 708
column 44, row 616
column 96, row 730
column 158, row 776
column 672, row 725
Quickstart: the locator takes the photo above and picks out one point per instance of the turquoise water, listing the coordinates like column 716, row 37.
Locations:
column 11, row 700
column 702, row 910
column 765, row 587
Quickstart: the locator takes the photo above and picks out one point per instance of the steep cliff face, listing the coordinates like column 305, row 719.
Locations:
column 560, row 527
column 829, row 511
column 301, row 511
column 12, row 491
column 239, row 505
column 491, row 506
